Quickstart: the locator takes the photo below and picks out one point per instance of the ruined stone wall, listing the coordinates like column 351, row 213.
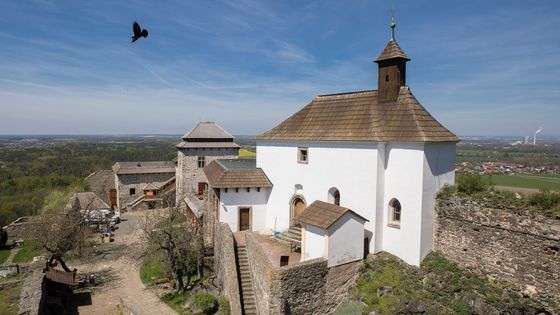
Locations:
column 225, row 266
column 303, row 288
column 189, row 174
column 101, row 182
column 138, row 182
column 519, row 247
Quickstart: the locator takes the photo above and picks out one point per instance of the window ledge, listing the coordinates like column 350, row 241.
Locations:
column 394, row 225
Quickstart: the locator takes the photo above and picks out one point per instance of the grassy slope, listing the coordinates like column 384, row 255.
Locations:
column 4, row 254
column 9, row 300
column 246, row 153
column 536, row 181
column 437, row 287
column 27, row 252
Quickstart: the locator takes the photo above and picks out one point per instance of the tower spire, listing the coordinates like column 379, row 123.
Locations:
column 393, row 24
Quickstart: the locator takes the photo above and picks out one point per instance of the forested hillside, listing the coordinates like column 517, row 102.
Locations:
column 28, row 172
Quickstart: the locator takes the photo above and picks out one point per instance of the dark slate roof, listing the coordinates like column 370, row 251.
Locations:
column 323, row 214
column 87, row 201
column 235, row 173
column 358, row 116
column 144, row 167
column 392, row 51
column 207, row 130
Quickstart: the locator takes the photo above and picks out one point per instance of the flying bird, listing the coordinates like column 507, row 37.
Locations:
column 138, row 32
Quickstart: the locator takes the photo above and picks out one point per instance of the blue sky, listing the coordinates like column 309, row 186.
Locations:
column 68, row 67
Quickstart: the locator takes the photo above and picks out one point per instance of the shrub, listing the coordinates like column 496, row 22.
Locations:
column 472, row 183
column 3, row 237
column 224, row 306
column 545, row 200
column 206, row 302
column 446, row 191
column 349, row 307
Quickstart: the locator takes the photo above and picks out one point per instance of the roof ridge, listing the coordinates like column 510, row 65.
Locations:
column 346, row 93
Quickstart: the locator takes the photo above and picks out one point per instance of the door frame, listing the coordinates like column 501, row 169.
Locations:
column 250, row 217
column 292, row 206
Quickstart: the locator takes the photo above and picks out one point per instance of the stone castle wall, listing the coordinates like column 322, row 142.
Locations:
column 225, row 266
column 137, row 181
column 520, row 247
column 189, row 174
column 303, row 288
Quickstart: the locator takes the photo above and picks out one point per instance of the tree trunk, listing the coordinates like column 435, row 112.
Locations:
column 175, row 272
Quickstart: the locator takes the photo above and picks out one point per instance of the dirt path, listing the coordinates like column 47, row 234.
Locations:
column 118, row 271
column 10, row 258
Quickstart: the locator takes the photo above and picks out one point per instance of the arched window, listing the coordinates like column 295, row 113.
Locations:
column 334, row 196
column 394, row 213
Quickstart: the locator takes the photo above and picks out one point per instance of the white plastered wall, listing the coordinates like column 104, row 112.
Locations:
column 346, row 240
column 351, row 167
column 231, row 201
column 439, row 169
column 403, row 180
column 314, row 242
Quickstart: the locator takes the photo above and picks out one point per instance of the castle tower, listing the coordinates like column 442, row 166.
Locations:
column 392, row 69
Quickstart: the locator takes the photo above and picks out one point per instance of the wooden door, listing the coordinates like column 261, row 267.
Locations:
column 202, row 187
column 299, row 206
column 244, row 219
column 113, row 197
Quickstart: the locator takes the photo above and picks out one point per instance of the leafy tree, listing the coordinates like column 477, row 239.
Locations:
column 169, row 231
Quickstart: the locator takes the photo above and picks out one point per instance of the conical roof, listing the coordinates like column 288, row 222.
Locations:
column 392, row 51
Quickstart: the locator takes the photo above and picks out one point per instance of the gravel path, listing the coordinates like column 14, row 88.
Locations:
column 118, row 270
column 10, row 258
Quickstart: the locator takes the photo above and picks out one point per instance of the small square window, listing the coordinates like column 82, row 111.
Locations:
column 258, row 189
column 132, row 191
column 248, row 189
column 303, row 156
column 201, row 161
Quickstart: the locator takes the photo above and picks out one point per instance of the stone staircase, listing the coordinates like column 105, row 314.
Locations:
column 291, row 236
column 245, row 282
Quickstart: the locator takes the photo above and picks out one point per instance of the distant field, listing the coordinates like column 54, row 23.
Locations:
column 535, row 181
column 246, row 153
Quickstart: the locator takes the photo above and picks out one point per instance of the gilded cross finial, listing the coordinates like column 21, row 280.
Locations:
column 393, row 24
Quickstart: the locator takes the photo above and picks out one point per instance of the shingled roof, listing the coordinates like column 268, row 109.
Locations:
column 87, row 201
column 121, row 168
column 207, row 130
column 235, row 173
column 358, row 116
column 391, row 51
column 323, row 214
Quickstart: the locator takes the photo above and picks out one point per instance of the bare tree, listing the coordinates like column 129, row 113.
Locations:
column 169, row 231
column 60, row 228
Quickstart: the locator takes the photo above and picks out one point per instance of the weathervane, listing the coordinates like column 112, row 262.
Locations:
column 393, row 24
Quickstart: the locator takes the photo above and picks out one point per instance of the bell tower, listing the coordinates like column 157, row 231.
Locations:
column 392, row 68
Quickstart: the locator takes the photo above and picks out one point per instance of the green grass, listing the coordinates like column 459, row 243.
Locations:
column 176, row 301
column 439, row 286
column 4, row 253
column 26, row 252
column 246, row 153
column 9, row 300
column 535, row 181
column 152, row 269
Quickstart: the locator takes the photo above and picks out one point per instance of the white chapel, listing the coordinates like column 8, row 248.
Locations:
column 368, row 163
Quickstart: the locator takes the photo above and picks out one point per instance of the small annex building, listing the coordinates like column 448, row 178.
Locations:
column 331, row 232
column 87, row 201
column 238, row 193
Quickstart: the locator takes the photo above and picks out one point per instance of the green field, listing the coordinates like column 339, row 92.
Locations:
column 246, row 153
column 535, row 181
